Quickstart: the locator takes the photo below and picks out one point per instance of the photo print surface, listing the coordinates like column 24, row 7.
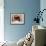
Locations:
column 17, row 18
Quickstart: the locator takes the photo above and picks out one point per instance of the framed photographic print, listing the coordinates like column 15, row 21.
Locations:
column 17, row 18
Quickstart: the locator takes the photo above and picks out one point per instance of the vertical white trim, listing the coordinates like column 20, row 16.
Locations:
column 1, row 20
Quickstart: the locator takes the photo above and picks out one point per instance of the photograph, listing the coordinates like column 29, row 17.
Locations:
column 22, row 22
column 17, row 18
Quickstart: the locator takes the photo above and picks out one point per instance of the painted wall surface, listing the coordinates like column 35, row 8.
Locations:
column 28, row 7
column 43, row 6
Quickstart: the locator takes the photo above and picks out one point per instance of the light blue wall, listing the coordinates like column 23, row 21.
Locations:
column 43, row 6
column 28, row 7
